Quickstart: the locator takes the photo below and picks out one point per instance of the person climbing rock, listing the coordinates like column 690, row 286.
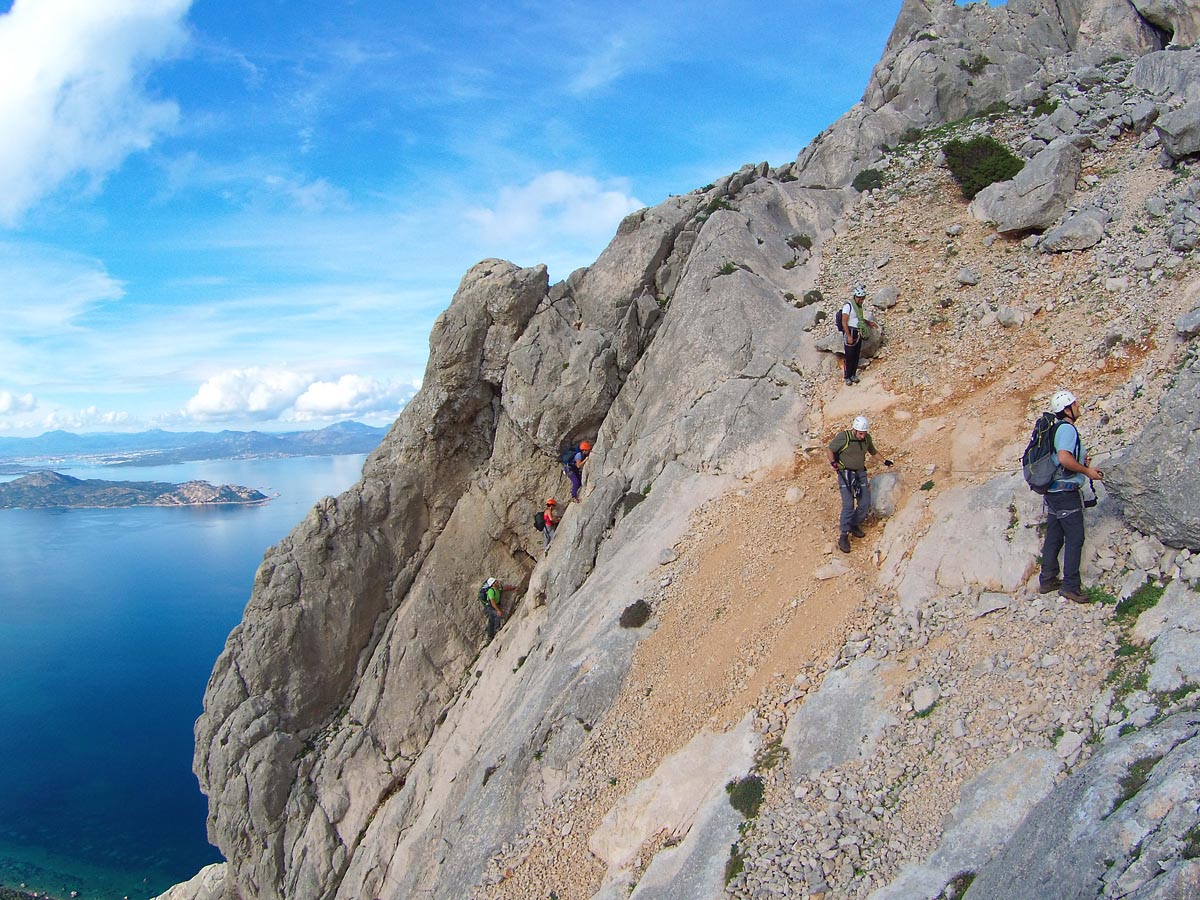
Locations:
column 847, row 454
column 573, row 462
column 490, row 595
column 1064, row 503
column 851, row 323
column 549, row 524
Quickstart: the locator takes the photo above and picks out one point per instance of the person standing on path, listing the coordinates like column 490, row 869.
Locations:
column 1064, row 504
column 853, row 321
column 549, row 524
column 847, row 454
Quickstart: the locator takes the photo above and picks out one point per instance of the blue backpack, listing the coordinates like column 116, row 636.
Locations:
column 1039, row 462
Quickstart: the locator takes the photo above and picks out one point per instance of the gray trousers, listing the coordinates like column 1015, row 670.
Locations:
column 1064, row 528
column 855, row 488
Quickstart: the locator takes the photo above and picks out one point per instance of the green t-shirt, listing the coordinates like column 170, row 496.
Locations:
column 493, row 595
column 850, row 452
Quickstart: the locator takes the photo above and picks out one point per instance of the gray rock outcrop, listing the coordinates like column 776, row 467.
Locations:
column 1037, row 196
column 1180, row 130
column 1082, row 230
column 1113, row 829
column 1156, row 476
column 1178, row 18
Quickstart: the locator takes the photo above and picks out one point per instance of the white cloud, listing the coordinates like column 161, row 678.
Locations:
column 89, row 417
column 557, row 202
column 604, row 66
column 74, row 102
column 349, row 395
column 47, row 289
column 11, row 403
column 259, row 394
column 253, row 393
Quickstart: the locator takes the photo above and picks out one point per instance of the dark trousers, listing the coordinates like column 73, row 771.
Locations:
column 1064, row 528
column 852, row 353
column 855, row 488
column 493, row 623
column 576, row 478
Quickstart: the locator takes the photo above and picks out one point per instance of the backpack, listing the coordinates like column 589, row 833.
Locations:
column 483, row 597
column 567, row 457
column 837, row 321
column 539, row 521
column 1039, row 462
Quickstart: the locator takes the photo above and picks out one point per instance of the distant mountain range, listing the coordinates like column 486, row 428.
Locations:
column 52, row 490
column 158, row 447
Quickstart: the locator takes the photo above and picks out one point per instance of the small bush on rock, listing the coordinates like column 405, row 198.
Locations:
column 746, row 795
column 868, row 180
column 635, row 615
column 979, row 162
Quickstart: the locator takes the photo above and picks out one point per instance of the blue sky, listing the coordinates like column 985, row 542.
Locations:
column 219, row 214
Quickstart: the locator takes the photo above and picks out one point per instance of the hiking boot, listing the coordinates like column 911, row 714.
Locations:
column 844, row 542
column 855, row 379
column 1049, row 586
column 1075, row 596
column 849, row 382
column 858, row 532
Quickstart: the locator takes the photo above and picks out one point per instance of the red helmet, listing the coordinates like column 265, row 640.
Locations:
column 552, row 502
column 585, row 445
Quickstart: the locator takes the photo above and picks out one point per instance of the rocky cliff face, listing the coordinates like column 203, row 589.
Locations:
column 359, row 741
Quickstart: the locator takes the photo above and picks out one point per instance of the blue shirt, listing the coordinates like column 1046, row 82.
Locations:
column 1065, row 438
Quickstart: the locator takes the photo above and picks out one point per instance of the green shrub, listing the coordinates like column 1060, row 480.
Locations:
column 975, row 64
column 813, row 296
column 911, row 135
column 1144, row 598
column 746, row 795
column 635, row 615
column 927, row 486
column 868, row 180
column 979, row 162
column 800, row 242
column 728, row 269
column 1045, row 108
column 715, row 204
column 735, row 863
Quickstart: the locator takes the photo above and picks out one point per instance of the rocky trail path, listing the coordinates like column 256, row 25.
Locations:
column 758, row 607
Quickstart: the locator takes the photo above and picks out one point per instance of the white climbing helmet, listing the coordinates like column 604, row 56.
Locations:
column 1061, row 400
column 491, row 582
column 860, row 291
column 860, row 423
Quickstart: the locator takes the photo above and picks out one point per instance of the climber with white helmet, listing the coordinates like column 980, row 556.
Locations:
column 1064, row 503
column 850, row 322
column 847, row 454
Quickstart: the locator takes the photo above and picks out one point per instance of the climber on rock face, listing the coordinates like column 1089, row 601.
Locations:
column 573, row 461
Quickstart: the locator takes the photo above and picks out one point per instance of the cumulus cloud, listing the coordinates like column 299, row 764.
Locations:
column 280, row 395
column 11, row 403
column 89, row 417
column 252, row 393
column 74, row 102
column 559, row 202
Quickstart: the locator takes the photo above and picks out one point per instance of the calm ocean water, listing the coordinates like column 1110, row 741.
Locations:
column 110, row 621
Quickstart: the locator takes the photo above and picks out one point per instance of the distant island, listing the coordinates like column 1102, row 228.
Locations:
column 157, row 448
column 52, row 490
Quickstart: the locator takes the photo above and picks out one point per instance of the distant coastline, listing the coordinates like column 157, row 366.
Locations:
column 62, row 449
column 52, row 490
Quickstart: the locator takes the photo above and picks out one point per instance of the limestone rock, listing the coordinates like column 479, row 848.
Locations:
column 1188, row 325
column 885, row 298
column 1076, row 841
column 1179, row 130
column 1082, row 230
column 1173, row 624
column 1168, row 74
column 842, row 720
column 1179, row 18
column 208, row 884
column 1157, row 478
column 1037, row 196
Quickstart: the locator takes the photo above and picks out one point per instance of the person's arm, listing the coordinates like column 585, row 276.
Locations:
column 830, row 458
column 1067, row 460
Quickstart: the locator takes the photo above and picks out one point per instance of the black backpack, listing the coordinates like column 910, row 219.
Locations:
column 837, row 320
column 1039, row 462
column 539, row 521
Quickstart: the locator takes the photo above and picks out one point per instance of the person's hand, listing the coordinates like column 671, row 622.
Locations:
column 1095, row 475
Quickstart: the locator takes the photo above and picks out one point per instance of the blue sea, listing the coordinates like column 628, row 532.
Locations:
column 110, row 621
